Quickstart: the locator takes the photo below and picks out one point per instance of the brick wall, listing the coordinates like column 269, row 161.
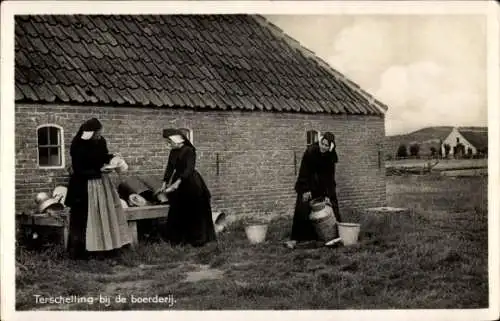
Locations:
column 255, row 151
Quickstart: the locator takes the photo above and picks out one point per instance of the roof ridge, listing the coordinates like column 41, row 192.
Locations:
column 277, row 31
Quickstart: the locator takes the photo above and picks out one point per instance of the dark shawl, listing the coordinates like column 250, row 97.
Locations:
column 87, row 159
column 182, row 160
column 317, row 172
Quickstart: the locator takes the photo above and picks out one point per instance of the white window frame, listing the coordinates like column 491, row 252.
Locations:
column 189, row 133
column 62, row 149
column 318, row 134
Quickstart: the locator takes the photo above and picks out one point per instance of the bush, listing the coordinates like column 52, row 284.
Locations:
column 402, row 152
column 469, row 152
column 414, row 149
column 447, row 149
column 433, row 151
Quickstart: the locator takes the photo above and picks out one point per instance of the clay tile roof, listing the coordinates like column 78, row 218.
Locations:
column 195, row 61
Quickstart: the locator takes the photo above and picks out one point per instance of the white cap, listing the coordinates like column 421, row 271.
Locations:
column 87, row 135
column 176, row 139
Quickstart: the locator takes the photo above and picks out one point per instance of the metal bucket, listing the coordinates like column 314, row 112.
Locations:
column 323, row 219
column 60, row 193
column 137, row 200
column 123, row 203
column 256, row 233
column 161, row 197
column 349, row 233
column 220, row 221
column 119, row 163
column 154, row 185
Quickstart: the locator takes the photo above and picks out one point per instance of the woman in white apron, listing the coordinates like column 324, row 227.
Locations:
column 97, row 220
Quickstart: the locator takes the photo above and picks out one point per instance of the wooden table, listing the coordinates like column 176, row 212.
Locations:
column 61, row 219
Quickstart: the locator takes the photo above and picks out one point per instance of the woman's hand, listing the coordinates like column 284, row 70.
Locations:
column 306, row 196
column 106, row 170
column 170, row 189
column 174, row 186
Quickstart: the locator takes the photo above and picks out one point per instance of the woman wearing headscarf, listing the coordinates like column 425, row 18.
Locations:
column 97, row 220
column 316, row 179
column 189, row 218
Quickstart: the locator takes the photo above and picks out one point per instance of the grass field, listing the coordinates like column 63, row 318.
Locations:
column 434, row 257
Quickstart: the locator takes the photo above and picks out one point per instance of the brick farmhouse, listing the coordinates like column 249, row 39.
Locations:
column 249, row 96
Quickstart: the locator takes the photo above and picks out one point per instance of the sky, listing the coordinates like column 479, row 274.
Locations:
column 429, row 70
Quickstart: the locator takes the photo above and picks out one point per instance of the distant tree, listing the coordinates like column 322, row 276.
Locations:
column 402, row 151
column 414, row 149
column 482, row 152
column 433, row 152
column 469, row 152
column 447, row 149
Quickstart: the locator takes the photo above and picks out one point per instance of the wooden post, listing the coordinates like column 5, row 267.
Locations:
column 295, row 162
column 217, row 163
column 66, row 232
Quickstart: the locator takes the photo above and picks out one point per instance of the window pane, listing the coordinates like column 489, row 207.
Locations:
column 43, row 136
column 54, row 156
column 43, row 156
column 312, row 136
column 53, row 136
column 186, row 132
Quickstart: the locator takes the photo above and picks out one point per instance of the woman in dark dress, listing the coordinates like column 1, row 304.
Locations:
column 316, row 179
column 189, row 218
column 97, row 221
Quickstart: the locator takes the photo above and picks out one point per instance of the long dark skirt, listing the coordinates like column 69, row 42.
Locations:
column 77, row 232
column 302, row 227
column 189, row 218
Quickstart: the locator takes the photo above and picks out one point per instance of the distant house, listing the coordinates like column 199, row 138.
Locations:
column 248, row 96
column 473, row 139
column 427, row 138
